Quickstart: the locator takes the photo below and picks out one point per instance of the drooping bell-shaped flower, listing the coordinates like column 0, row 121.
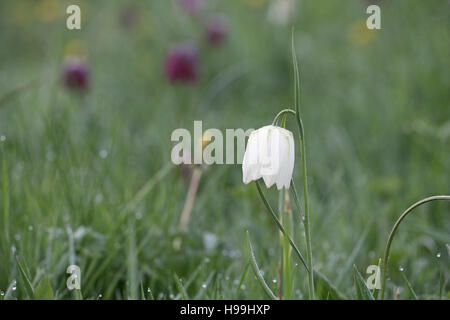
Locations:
column 216, row 30
column 182, row 63
column 75, row 74
column 270, row 155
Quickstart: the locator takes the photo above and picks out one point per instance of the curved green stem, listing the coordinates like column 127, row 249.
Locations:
column 280, row 226
column 305, row 175
column 391, row 237
column 282, row 112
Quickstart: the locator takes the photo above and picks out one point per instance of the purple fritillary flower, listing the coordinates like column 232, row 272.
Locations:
column 182, row 64
column 76, row 74
column 216, row 30
column 192, row 6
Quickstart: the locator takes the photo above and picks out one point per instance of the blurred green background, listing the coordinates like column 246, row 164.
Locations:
column 86, row 177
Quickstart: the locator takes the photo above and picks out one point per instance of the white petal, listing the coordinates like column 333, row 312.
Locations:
column 269, row 155
column 288, row 167
column 283, row 156
column 250, row 166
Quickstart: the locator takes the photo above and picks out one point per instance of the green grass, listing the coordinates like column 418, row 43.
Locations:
column 376, row 120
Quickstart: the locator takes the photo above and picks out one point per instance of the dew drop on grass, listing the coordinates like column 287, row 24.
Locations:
column 243, row 287
column 100, row 296
column 50, row 155
column 148, row 290
column 98, row 198
column 401, row 269
column 103, row 153
column 204, row 286
column 274, row 280
column 2, row 138
column 438, row 255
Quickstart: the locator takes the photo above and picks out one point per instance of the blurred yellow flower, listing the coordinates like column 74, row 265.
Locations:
column 48, row 10
column 206, row 139
column 75, row 48
column 359, row 34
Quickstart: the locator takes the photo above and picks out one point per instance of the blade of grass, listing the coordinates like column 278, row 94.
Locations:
column 142, row 292
column 5, row 201
column 322, row 281
column 180, row 287
column 304, row 172
column 362, row 292
column 12, row 288
column 26, row 284
column 44, row 290
column 257, row 271
column 132, row 261
column 408, row 285
column 241, row 280
column 441, row 280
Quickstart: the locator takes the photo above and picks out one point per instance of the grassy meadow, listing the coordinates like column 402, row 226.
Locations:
column 86, row 177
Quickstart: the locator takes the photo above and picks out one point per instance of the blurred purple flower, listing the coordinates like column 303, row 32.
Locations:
column 182, row 63
column 216, row 30
column 192, row 6
column 76, row 74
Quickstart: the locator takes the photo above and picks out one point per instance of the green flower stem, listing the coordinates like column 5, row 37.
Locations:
column 282, row 112
column 305, row 175
column 280, row 226
column 391, row 237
